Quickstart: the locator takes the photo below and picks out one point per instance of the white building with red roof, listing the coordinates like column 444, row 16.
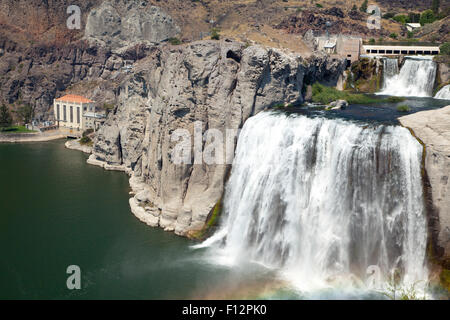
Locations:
column 76, row 112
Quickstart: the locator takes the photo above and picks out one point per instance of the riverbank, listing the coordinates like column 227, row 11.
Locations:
column 76, row 145
column 34, row 137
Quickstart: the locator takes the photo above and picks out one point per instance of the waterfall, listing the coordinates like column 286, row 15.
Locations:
column 444, row 93
column 390, row 69
column 415, row 79
column 321, row 200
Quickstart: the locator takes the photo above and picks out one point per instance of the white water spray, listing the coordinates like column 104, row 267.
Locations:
column 324, row 200
column 415, row 79
column 390, row 70
column 444, row 93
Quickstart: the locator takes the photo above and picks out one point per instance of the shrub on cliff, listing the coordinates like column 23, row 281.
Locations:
column 427, row 17
column 403, row 108
column 174, row 41
column 5, row 117
column 445, row 48
column 388, row 15
column 215, row 34
column 85, row 141
column 364, row 6
column 401, row 18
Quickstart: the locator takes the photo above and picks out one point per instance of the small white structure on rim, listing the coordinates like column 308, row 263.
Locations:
column 77, row 112
column 330, row 47
column 413, row 26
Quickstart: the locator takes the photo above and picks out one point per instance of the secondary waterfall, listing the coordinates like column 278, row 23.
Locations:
column 390, row 69
column 444, row 93
column 324, row 201
column 415, row 79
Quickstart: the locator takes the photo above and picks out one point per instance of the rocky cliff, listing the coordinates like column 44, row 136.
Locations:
column 121, row 23
column 39, row 64
column 208, row 89
column 433, row 129
column 38, row 74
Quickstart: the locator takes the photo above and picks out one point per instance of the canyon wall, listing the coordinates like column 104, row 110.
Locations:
column 206, row 85
column 432, row 128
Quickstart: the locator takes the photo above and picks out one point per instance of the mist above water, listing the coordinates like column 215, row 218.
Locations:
column 324, row 202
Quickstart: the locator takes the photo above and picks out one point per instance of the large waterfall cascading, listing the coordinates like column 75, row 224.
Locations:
column 444, row 93
column 322, row 199
column 390, row 69
column 416, row 79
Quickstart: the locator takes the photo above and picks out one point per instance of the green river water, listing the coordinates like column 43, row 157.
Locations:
column 57, row 211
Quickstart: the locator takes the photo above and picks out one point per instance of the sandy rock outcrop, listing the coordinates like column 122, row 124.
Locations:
column 433, row 129
column 192, row 96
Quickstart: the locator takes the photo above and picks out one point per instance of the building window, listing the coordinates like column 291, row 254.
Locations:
column 78, row 115
column 71, row 114
column 64, row 113
column 57, row 113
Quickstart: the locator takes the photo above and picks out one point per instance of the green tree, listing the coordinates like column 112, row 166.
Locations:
column 403, row 19
column 364, row 5
column 445, row 48
column 5, row 117
column 435, row 6
column 25, row 113
column 393, row 35
column 354, row 8
column 414, row 17
column 215, row 34
column 388, row 15
column 427, row 17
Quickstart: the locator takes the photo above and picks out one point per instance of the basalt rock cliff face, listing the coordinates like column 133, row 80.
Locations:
column 120, row 23
column 432, row 128
column 38, row 64
column 207, row 85
column 38, row 74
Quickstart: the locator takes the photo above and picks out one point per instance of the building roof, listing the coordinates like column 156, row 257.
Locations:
column 330, row 44
column 414, row 25
column 74, row 98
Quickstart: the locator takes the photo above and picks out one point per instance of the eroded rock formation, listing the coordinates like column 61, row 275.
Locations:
column 119, row 23
column 432, row 127
column 207, row 85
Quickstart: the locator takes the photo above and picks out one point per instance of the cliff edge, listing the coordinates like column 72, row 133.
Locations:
column 433, row 129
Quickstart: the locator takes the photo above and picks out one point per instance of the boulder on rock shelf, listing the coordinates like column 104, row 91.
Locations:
column 337, row 105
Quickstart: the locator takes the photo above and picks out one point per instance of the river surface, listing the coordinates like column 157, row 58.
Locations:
column 57, row 211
